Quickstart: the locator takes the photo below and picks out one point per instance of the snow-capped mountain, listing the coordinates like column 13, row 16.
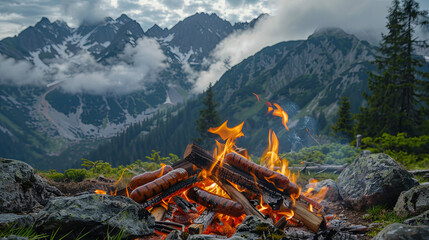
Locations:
column 53, row 117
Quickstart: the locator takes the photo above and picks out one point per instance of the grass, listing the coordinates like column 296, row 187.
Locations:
column 31, row 234
column 380, row 214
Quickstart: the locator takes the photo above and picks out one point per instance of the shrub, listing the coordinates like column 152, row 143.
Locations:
column 75, row 175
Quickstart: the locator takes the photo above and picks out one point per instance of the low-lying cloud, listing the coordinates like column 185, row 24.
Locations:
column 133, row 70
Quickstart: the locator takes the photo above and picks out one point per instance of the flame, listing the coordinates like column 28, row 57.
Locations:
column 99, row 191
column 271, row 160
column 311, row 208
column 228, row 134
column 256, row 96
column 311, row 193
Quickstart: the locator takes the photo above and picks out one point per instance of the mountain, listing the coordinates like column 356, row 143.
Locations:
column 306, row 77
column 44, row 123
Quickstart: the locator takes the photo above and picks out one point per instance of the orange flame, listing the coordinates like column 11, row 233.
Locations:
column 99, row 191
column 228, row 134
column 311, row 193
column 256, row 96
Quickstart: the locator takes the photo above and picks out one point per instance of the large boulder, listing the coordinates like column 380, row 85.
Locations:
column 422, row 219
column 373, row 179
column 21, row 189
column 413, row 201
column 398, row 231
column 95, row 215
column 10, row 219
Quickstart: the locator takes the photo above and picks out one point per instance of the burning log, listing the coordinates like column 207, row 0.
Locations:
column 236, row 195
column 147, row 177
column 279, row 180
column 158, row 212
column 281, row 223
column 200, row 224
column 216, row 203
column 201, row 158
column 170, row 191
column 158, row 185
column 184, row 205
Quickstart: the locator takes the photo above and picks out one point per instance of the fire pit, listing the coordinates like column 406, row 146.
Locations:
column 211, row 193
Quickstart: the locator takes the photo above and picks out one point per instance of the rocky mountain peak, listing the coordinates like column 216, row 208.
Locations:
column 124, row 18
column 330, row 31
column 156, row 31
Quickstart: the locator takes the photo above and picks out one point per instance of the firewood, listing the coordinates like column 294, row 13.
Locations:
column 236, row 195
column 184, row 205
column 170, row 191
column 202, row 159
column 312, row 221
column 281, row 223
column 158, row 212
column 200, row 224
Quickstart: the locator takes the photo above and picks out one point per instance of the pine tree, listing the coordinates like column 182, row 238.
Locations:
column 396, row 99
column 343, row 128
column 208, row 116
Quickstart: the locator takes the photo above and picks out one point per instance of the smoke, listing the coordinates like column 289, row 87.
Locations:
column 133, row 70
column 296, row 20
column 13, row 72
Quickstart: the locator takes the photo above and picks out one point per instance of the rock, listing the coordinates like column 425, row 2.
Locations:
column 413, row 201
column 176, row 235
column 10, row 219
column 422, row 219
column 373, row 179
column 21, row 189
column 95, row 215
column 398, row 231
column 13, row 237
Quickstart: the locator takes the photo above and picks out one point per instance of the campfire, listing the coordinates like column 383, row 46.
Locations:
column 211, row 193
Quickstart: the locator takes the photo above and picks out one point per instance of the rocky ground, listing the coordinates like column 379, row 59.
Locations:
column 372, row 179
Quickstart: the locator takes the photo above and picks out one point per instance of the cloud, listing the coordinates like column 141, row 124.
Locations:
column 133, row 70
column 295, row 20
column 136, row 67
column 89, row 11
column 13, row 72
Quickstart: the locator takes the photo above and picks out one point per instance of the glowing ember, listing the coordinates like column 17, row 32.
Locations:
column 99, row 191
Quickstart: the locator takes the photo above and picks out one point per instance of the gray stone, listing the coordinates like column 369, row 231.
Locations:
column 176, row 235
column 413, row 201
column 373, row 179
column 10, row 219
column 422, row 219
column 21, row 189
column 95, row 215
column 398, row 231
column 14, row 237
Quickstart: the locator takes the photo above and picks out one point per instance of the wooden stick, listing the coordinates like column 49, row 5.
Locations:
column 158, row 212
column 237, row 196
column 281, row 223
column 310, row 220
column 201, row 223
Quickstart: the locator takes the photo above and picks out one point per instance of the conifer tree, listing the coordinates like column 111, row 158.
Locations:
column 395, row 102
column 208, row 116
column 343, row 128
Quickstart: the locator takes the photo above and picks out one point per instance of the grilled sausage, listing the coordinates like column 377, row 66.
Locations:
column 158, row 185
column 146, row 177
column 216, row 203
column 279, row 180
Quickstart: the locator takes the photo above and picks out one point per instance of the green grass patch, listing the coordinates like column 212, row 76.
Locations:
column 380, row 214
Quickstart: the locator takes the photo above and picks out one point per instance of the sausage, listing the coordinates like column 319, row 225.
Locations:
column 158, row 185
column 216, row 203
column 146, row 177
column 279, row 180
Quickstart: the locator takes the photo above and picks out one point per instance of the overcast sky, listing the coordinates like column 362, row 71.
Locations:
column 16, row 15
